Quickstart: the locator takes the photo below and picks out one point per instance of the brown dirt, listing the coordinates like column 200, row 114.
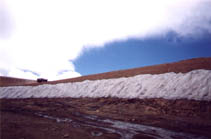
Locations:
column 10, row 81
column 18, row 118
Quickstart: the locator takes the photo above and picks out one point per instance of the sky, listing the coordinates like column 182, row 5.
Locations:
column 57, row 39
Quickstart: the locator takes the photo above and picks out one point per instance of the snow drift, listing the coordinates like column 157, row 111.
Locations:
column 194, row 85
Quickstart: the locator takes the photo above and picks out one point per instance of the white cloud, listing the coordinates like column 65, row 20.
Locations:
column 45, row 34
column 66, row 74
column 21, row 74
column 5, row 26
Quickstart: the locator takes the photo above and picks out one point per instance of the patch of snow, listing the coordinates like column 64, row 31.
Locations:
column 194, row 85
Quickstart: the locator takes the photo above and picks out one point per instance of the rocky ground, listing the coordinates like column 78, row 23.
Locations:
column 104, row 118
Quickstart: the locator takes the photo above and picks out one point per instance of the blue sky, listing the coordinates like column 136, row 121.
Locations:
column 57, row 39
column 133, row 53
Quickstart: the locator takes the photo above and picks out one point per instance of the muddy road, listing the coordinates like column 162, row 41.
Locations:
column 80, row 118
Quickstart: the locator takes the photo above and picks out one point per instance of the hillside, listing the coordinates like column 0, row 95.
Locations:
column 171, row 101
column 10, row 81
column 180, row 66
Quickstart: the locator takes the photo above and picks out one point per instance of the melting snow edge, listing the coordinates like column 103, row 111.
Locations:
column 194, row 85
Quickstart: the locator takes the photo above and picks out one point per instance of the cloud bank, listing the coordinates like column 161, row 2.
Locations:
column 43, row 36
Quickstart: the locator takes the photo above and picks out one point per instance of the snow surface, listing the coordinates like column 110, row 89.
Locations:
column 194, row 85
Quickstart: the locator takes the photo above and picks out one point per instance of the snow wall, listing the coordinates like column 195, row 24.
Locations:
column 194, row 85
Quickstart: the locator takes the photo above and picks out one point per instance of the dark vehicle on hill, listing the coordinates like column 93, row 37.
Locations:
column 41, row 80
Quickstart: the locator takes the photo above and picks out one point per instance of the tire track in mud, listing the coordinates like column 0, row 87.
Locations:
column 81, row 114
column 126, row 130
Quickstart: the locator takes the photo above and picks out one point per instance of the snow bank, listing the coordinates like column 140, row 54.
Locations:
column 192, row 85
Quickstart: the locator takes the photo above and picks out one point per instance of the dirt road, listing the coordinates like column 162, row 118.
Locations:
column 103, row 118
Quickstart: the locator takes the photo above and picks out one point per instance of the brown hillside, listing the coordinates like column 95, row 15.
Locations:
column 9, row 81
column 181, row 66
